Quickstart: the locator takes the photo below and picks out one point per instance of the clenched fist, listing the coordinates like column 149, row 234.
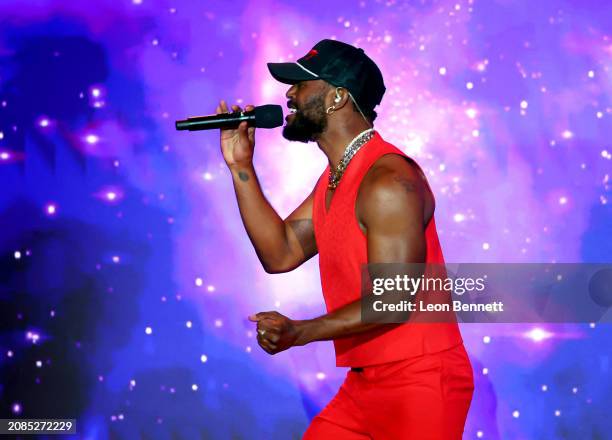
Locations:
column 275, row 332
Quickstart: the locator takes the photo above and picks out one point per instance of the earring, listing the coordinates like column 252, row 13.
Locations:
column 330, row 110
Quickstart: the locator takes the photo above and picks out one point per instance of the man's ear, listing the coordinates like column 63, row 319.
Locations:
column 339, row 97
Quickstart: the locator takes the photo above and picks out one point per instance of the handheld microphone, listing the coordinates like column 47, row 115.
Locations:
column 263, row 116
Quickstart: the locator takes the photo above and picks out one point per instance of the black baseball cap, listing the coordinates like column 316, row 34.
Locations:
column 341, row 65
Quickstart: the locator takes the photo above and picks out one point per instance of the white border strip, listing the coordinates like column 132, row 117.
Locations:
column 306, row 70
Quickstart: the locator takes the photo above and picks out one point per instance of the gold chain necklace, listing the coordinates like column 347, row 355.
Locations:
column 352, row 148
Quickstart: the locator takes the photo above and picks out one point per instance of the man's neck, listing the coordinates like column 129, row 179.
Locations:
column 334, row 140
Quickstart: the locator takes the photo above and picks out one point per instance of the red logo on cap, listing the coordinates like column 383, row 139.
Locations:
column 312, row 53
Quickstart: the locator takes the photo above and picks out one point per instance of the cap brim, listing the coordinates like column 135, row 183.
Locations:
column 289, row 73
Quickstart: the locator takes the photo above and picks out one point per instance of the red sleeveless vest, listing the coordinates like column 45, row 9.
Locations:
column 342, row 250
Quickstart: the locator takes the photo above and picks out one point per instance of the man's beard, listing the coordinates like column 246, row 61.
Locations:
column 308, row 122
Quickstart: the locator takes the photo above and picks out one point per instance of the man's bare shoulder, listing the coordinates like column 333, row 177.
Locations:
column 394, row 183
column 392, row 173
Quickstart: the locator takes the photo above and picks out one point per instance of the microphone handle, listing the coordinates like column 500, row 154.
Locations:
column 223, row 120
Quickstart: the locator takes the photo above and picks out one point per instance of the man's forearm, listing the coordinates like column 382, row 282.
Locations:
column 347, row 320
column 343, row 322
column 263, row 225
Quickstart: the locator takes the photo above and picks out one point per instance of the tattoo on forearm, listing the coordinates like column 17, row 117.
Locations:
column 304, row 231
column 244, row 176
column 409, row 185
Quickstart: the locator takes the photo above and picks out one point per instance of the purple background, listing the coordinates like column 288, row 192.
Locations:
column 126, row 275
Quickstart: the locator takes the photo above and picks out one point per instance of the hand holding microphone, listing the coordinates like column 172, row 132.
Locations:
column 237, row 144
column 237, row 128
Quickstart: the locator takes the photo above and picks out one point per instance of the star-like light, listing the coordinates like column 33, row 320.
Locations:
column 92, row 139
column 51, row 208
column 538, row 334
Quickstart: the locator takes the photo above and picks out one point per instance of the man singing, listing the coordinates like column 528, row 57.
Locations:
column 372, row 204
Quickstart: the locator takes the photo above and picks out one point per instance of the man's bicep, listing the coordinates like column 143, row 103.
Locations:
column 394, row 222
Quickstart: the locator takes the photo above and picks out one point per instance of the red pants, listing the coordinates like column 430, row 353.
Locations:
column 421, row 398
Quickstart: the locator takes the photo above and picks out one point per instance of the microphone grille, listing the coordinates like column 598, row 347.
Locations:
column 268, row 116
